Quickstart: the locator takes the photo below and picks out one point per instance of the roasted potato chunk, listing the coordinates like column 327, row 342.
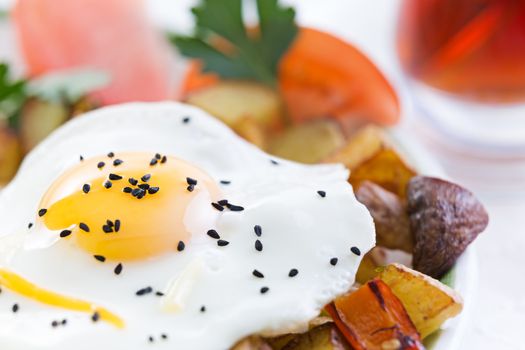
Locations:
column 428, row 302
column 38, row 119
column 324, row 337
column 232, row 101
column 370, row 156
column 10, row 154
column 309, row 142
column 390, row 216
column 444, row 218
column 252, row 343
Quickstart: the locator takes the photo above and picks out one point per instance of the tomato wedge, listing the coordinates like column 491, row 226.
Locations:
column 323, row 76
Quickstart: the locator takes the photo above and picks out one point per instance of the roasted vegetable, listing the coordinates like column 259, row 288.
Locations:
column 10, row 154
column 38, row 119
column 309, row 142
column 390, row 216
column 428, row 302
column 233, row 101
column 369, row 265
column 373, row 318
column 370, row 156
column 324, row 337
column 444, row 218
column 252, row 343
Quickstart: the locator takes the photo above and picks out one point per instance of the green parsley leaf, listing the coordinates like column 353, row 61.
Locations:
column 12, row 95
column 254, row 56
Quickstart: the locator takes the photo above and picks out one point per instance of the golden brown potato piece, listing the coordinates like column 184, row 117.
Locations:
column 324, row 337
column 38, row 119
column 370, row 156
column 252, row 343
column 309, row 142
column 390, row 216
column 444, row 218
column 251, row 130
column 368, row 268
column 428, row 302
column 232, row 101
column 10, row 154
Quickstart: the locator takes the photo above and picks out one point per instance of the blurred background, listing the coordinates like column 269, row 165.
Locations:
column 458, row 67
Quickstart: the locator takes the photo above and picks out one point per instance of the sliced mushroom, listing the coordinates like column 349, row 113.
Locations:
column 390, row 216
column 444, row 218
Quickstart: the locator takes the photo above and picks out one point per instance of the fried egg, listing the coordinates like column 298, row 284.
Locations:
column 154, row 226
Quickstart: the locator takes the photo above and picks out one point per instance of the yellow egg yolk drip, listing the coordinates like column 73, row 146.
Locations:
column 127, row 206
column 23, row 287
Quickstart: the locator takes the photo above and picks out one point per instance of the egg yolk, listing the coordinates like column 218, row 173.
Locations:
column 128, row 206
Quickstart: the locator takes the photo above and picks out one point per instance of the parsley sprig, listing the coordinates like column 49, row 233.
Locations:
column 254, row 54
column 12, row 95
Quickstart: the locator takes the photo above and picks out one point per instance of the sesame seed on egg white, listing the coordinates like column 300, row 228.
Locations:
column 203, row 287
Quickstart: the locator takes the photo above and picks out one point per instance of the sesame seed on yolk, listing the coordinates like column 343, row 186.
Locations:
column 152, row 223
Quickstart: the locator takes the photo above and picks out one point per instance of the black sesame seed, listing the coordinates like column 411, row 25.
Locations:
column 54, row 324
column 186, row 120
column 233, row 207
column 151, row 339
column 223, row 202
column 264, row 290
column 127, row 189
column 136, row 192
column 293, row 273
column 258, row 246
column 117, row 225
column 274, row 162
column 159, row 294
column 100, row 258
column 146, row 178
column 191, row 181
column 100, row 165
column 117, row 162
column 153, row 190
column 15, row 308
column 133, row 181
column 144, row 186
column 63, row 322
column 213, row 234
column 95, row 316
column 164, row 336
column 153, row 162
column 181, row 246
column 86, row 188
column 115, row 177
column 65, row 233
column 83, row 227
column 107, row 229
column 222, row 243
column 158, row 156
column 203, row 308
column 333, row 261
column 108, row 184
column 356, row 251
column 257, row 274
column 217, row 206
column 118, row 269
column 30, row 225
column 225, row 182
column 144, row 291
column 81, row 158
column 190, row 188
column 258, row 230
column 111, row 154
column 141, row 194
column 42, row 212
column 321, row 193
column 164, row 159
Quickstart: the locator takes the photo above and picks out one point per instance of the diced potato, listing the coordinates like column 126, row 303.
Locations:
column 367, row 269
column 278, row 343
column 233, row 101
column 252, row 343
column 251, row 130
column 10, row 154
column 309, row 142
column 428, row 302
column 324, row 337
column 370, row 156
column 38, row 119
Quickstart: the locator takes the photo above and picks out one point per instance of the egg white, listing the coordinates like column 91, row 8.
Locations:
column 301, row 230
